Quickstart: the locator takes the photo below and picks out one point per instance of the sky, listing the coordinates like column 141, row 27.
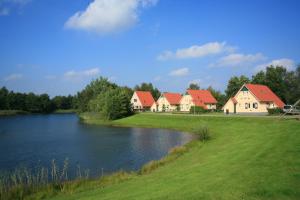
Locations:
column 57, row 47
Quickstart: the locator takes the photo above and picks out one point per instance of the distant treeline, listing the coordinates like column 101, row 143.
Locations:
column 33, row 103
column 113, row 101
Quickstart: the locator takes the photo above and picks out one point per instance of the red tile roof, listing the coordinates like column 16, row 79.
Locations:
column 265, row 94
column 202, row 97
column 173, row 98
column 145, row 98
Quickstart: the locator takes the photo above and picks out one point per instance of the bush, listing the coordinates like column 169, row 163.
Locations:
column 203, row 133
column 198, row 110
column 275, row 111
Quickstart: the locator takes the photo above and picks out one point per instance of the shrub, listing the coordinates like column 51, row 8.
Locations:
column 198, row 110
column 203, row 133
column 275, row 111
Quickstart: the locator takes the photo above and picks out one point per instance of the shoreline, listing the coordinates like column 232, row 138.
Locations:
column 237, row 144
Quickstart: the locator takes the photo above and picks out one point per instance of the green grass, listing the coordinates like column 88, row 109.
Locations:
column 12, row 112
column 65, row 111
column 245, row 158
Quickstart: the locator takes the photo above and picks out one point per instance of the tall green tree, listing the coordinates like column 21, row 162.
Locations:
column 96, row 87
column 234, row 84
column 259, row 78
column 221, row 98
column 148, row 87
column 282, row 82
column 4, row 98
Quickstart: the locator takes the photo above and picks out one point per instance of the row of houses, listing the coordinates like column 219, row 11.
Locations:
column 168, row 102
column 251, row 98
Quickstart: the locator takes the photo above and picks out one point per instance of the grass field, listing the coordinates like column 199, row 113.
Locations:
column 247, row 158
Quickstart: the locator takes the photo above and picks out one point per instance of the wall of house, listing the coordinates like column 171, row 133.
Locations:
column 244, row 98
column 135, row 102
column 211, row 106
column 229, row 106
column 154, row 107
column 163, row 104
column 186, row 103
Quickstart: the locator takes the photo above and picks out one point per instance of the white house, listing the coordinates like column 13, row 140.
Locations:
column 167, row 102
column 142, row 100
column 201, row 98
column 253, row 98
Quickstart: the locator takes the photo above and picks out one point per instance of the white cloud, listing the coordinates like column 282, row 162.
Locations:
column 285, row 62
column 196, row 51
column 238, row 60
column 79, row 75
column 13, row 77
column 106, row 16
column 180, row 72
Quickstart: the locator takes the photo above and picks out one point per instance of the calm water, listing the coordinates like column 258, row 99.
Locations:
column 33, row 140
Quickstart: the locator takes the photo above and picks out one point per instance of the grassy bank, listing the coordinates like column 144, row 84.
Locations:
column 247, row 158
column 64, row 111
column 12, row 112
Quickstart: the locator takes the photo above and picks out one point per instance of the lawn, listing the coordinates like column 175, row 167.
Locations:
column 247, row 158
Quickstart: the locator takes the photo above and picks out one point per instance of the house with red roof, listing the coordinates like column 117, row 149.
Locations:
column 200, row 98
column 142, row 100
column 167, row 102
column 253, row 98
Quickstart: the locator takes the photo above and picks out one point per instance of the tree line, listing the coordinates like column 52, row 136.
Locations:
column 33, row 103
column 113, row 101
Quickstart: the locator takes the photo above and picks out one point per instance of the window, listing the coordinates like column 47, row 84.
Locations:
column 255, row 105
column 134, row 100
column 247, row 105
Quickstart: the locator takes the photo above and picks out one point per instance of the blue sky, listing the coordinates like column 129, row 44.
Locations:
column 57, row 47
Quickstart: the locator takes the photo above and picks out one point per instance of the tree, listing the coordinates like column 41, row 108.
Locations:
column 259, row 78
column 93, row 89
column 275, row 80
column 112, row 104
column 3, row 98
column 194, row 86
column 285, row 84
column 148, row 87
column 221, row 98
column 234, row 84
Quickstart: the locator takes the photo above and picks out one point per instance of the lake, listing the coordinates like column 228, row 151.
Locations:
column 35, row 140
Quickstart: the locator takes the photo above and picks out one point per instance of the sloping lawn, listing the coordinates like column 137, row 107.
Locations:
column 247, row 158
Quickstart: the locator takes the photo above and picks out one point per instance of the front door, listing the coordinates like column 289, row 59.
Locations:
column 234, row 108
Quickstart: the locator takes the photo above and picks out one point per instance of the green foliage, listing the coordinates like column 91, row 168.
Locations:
column 194, row 86
column 203, row 133
column 148, row 87
column 30, row 102
column 275, row 111
column 286, row 84
column 221, row 98
column 112, row 104
column 63, row 102
column 234, row 84
column 198, row 110
column 91, row 91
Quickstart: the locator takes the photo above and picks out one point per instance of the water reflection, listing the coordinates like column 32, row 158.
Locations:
column 37, row 139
